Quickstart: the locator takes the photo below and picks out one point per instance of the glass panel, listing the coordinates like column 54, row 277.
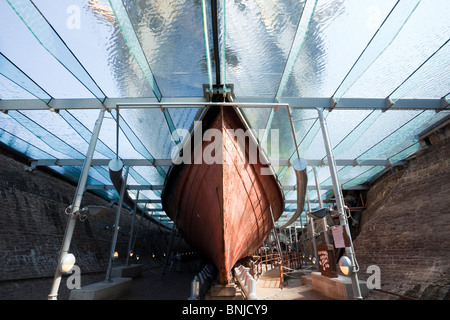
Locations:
column 51, row 41
column 107, row 137
column 91, row 32
column 398, row 139
column 49, row 123
column 10, row 71
column 363, row 177
column 183, row 118
column 11, row 125
column 258, row 120
column 383, row 126
column 297, row 44
column 141, row 175
column 206, row 36
column 133, row 44
column 48, row 137
column 259, row 37
column 10, row 90
column 419, row 38
column 18, row 44
column 151, row 128
column 383, row 37
column 405, row 153
column 171, row 35
column 285, row 141
column 21, row 146
column 357, row 131
column 307, row 127
column 86, row 134
column 329, row 52
column 431, row 80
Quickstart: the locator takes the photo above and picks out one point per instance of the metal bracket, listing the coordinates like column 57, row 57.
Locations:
column 389, row 103
column 32, row 166
column 227, row 91
column 333, row 104
column 444, row 103
column 51, row 106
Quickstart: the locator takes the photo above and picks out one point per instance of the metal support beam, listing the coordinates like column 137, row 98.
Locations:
column 116, row 226
column 169, row 250
column 311, row 223
column 200, row 102
column 132, row 229
column 161, row 187
column 319, row 197
column 168, row 162
column 76, row 205
column 339, row 202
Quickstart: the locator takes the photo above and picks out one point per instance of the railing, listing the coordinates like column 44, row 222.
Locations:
column 264, row 261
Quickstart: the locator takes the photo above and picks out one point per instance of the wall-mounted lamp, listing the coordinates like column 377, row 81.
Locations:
column 346, row 266
column 320, row 213
column 67, row 262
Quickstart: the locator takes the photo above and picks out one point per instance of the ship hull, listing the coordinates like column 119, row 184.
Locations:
column 225, row 209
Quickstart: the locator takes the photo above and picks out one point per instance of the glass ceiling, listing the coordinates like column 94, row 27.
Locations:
column 380, row 69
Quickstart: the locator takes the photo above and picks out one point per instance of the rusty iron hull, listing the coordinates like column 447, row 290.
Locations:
column 223, row 209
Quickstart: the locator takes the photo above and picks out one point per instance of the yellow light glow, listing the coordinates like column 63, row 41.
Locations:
column 345, row 270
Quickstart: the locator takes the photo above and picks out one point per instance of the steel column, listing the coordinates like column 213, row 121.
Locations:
column 73, row 215
column 169, row 251
column 132, row 229
column 339, row 201
column 311, row 223
column 319, row 197
column 116, row 226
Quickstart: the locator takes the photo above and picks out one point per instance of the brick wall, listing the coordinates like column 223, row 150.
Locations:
column 406, row 228
column 32, row 225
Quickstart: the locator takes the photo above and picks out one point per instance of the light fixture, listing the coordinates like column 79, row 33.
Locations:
column 131, row 253
column 346, row 266
column 67, row 262
column 320, row 213
column 116, row 255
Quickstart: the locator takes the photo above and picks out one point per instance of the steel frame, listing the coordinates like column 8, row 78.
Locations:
column 437, row 104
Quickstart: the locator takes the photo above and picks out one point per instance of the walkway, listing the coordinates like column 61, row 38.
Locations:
column 268, row 287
